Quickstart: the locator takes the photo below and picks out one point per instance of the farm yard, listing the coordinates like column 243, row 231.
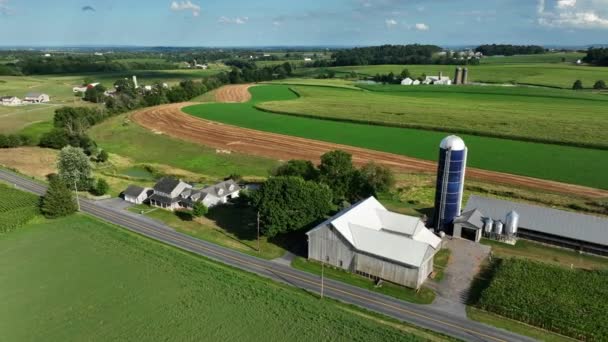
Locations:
column 551, row 297
column 545, row 161
column 121, row 286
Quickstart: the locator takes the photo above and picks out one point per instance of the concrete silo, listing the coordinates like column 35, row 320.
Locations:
column 450, row 182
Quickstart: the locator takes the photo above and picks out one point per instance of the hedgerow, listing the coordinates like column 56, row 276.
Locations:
column 569, row 302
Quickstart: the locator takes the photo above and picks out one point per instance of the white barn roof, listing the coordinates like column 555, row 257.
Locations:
column 369, row 227
column 588, row 228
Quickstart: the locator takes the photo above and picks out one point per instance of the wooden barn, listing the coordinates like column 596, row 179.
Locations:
column 370, row 240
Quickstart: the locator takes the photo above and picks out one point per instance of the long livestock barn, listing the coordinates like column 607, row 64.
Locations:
column 585, row 233
column 370, row 240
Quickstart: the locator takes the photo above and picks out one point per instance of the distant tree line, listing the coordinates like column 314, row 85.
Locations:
column 386, row 54
column 81, row 64
column 509, row 50
column 246, row 71
column 597, row 56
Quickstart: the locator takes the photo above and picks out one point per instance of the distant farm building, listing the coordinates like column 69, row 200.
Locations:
column 407, row 81
column 585, row 233
column 307, row 59
column 11, row 101
column 84, row 88
column 437, row 80
column 370, row 240
column 36, row 98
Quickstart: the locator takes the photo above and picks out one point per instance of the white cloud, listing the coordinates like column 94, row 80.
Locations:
column 236, row 20
column 590, row 14
column 186, row 6
column 421, row 27
column 390, row 23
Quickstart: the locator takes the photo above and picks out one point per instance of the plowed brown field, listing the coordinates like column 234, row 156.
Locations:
column 233, row 93
column 170, row 120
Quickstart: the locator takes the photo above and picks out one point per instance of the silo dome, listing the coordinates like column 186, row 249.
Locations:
column 452, row 142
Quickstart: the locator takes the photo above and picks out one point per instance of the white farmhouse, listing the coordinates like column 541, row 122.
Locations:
column 11, row 101
column 36, row 98
column 437, row 80
column 407, row 81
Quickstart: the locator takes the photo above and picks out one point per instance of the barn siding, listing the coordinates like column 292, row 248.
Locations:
column 327, row 246
column 384, row 269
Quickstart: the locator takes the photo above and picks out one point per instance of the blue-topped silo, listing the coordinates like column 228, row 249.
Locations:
column 450, row 182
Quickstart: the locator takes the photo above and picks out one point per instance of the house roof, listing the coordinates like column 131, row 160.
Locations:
column 164, row 199
column 33, row 94
column 134, row 191
column 369, row 227
column 167, row 184
column 472, row 217
column 223, row 187
column 587, row 228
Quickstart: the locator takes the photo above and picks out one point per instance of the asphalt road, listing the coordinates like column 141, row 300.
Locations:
column 419, row 315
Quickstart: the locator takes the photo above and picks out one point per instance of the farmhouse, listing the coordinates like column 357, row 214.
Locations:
column 170, row 193
column 11, row 101
column 585, row 233
column 370, row 240
column 36, row 98
column 136, row 194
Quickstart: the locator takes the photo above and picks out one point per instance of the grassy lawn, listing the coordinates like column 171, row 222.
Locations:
column 554, row 162
column 226, row 226
column 561, row 75
column 81, row 279
column 440, row 262
column 121, row 136
column 557, row 256
column 515, row 326
column 423, row 296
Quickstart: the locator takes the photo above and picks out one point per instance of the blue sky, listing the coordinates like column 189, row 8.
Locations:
column 303, row 22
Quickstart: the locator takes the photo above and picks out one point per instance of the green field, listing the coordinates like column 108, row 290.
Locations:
column 59, row 87
column 551, row 297
column 560, row 163
column 511, row 112
column 560, row 75
column 121, row 136
column 555, row 57
column 16, row 208
column 78, row 279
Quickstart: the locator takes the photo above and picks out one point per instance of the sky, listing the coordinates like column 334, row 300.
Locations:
column 303, row 22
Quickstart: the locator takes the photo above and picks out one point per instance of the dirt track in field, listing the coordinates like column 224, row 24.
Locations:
column 233, row 93
column 170, row 120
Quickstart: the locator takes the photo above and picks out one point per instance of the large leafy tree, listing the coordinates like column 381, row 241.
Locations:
column 298, row 168
column 58, row 200
column 336, row 170
column 376, row 178
column 74, row 167
column 290, row 203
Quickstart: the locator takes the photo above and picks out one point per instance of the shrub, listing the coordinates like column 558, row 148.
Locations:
column 599, row 85
column 103, row 156
column 199, row 209
column 101, row 187
column 578, row 85
column 58, row 200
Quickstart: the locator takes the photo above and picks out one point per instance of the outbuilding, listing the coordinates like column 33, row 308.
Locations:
column 11, row 101
column 370, row 240
column 36, row 98
column 136, row 194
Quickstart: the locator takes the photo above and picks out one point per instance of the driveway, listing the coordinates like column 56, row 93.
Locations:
column 464, row 264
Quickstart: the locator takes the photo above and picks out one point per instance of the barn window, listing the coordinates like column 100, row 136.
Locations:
column 340, row 263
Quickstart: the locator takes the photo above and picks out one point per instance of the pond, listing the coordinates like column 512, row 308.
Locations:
column 138, row 172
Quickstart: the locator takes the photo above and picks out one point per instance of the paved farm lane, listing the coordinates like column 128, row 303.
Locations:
column 170, row 120
column 420, row 315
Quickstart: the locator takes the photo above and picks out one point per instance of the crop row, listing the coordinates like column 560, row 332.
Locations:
column 13, row 219
column 13, row 199
column 566, row 301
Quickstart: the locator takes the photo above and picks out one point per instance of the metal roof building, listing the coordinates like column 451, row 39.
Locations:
column 368, row 239
column 567, row 229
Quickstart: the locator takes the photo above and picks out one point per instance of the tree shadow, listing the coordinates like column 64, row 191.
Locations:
column 241, row 221
column 482, row 281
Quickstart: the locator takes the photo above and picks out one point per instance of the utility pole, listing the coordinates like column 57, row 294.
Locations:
column 258, row 231
column 77, row 200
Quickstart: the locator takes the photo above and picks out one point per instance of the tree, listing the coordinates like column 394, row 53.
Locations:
column 298, row 168
column 336, row 170
column 405, row 73
column 290, row 203
column 103, row 156
column 56, row 138
column 376, row 178
column 58, row 200
column 101, row 188
column 199, row 209
column 599, row 85
column 288, row 68
column 578, row 85
column 74, row 167
column 95, row 94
